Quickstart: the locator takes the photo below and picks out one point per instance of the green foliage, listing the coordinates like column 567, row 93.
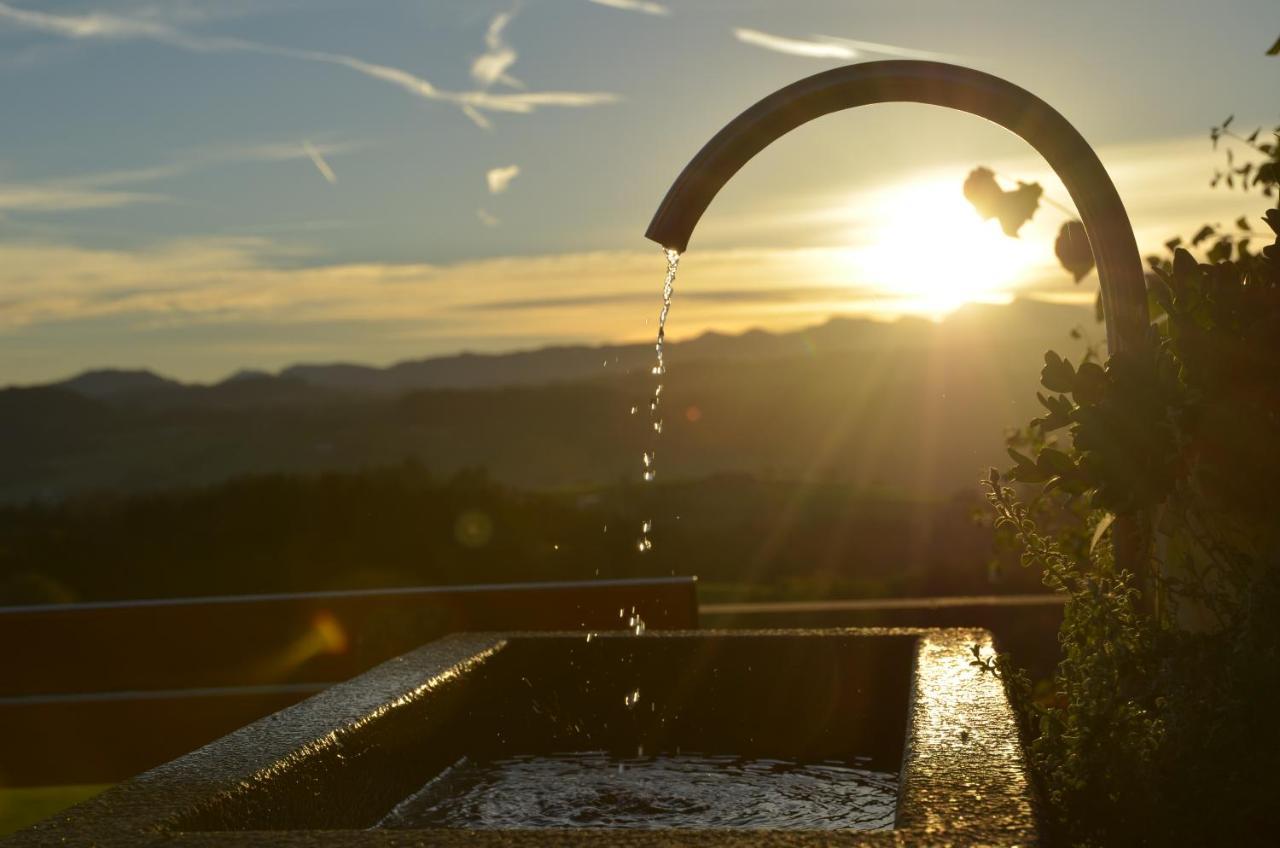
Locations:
column 1262, row 171
column 1159, row 728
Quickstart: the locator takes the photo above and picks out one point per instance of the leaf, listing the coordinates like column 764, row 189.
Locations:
column 1242, row 223
column 1091, row 383
column 1019, row 205
column 1275, row 49
column 1101, row 529
column 1161, row 291
column 1054, row 462
column 982, row 190
column 1201, row 234
column 1012, row 208
column 1221, row 250
column 1073, row 251
column 1025, row 471
column 1058, row 375
column 1059, row 412
column 1184, row 264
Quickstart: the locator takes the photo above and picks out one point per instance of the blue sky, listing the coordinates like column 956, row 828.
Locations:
column 200, row 186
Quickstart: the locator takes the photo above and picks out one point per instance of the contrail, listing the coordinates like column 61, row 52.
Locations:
column 321, row 165
column 101, row 26
column 794, row 46
column 831, row 47
column 890, row 49
column 643, row 6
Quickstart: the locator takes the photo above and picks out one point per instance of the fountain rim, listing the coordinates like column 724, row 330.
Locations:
column 961, row 737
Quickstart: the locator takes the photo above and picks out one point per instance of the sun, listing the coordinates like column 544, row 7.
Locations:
column 927, row 251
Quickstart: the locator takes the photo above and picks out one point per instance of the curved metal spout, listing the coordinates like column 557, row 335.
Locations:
column 1115, row 251
column 1105, row 221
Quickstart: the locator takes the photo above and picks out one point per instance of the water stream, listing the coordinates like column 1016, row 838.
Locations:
column 649, row 458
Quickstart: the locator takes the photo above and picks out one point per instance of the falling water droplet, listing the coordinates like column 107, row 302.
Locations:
column 659, row 370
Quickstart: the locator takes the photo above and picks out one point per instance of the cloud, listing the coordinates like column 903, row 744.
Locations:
column 319, row 161
column 103, row 26
column 831, row 47
column 16, row 197
column 487, row 219
column 212, row 281
column 888, row 49
column 103, row 190
column 107, row 301
column 795, row 47
column 499, row 179
column 642, row 6
column 491, row 66
column 91, row 25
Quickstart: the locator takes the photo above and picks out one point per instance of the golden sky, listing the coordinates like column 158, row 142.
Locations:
column 200, row 187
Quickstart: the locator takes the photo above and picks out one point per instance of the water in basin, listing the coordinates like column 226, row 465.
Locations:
column 683, row 790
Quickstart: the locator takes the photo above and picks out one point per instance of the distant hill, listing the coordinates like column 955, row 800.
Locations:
column 1024, row 321
column 114, row 383
column 910, row 406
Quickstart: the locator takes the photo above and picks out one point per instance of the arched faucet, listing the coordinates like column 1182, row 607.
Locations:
column 1115, row 250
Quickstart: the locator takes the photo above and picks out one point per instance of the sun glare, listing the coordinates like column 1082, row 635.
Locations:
column 929, row 253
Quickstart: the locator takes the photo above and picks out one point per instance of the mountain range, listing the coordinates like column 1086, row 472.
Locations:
column 912, row 406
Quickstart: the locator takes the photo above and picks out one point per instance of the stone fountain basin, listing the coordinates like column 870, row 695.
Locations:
column 324, row 772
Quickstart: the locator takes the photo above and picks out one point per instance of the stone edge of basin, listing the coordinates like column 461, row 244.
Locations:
column 964, row 778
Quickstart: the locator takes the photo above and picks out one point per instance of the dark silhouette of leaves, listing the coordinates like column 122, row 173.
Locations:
column 1073, row 251
column 1012, row 208
column 1275, row 49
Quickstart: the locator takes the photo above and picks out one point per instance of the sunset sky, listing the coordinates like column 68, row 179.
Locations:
column 196, row 187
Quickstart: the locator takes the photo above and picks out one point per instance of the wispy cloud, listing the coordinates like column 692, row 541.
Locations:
column 499, row 179
column 319, row 161
column 882, row 49
column 66, row 198
column 491, row 66
column 487, row 218
column 831, row 47
column 105, row 189
column 104, row 26
column 642, row 6
column 794, row 46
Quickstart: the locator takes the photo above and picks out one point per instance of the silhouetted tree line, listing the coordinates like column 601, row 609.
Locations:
column 402, row 525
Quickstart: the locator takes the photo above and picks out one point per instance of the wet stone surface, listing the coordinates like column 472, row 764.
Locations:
column 325, row 772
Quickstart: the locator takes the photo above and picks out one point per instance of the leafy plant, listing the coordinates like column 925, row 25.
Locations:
column 1159, row 728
